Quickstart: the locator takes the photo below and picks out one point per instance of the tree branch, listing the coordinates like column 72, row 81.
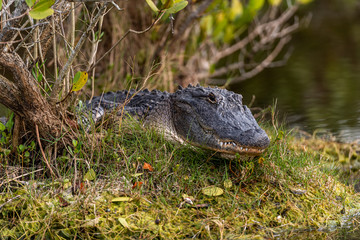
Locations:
column 9, row 93
column 7, row 32
column 59, row 81
column 266, row 62
column 256, row 32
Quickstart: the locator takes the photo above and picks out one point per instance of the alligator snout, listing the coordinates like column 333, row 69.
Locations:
column 255, row 138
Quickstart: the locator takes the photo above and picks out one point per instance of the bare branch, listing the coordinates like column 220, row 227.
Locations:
column 256, row 32
column 7, row 33
column 266, row 62
column 125, row 35
column 59, row 81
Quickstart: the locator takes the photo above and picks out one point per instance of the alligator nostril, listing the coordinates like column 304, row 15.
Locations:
column 255, row 138
column 262, row 139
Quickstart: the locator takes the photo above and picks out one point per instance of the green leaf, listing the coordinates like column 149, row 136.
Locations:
column 0, row 4
column 304, row 1
column 6, row 151
column 2, row 126
column 10, row 122
column 90, row 175
column 75, row 143
column 42, row 9
column 30, row 3
column 21, row 147
column 177, row 7
column 255, row 5
column 212, row 191
column 236, row 9
column 79, row 81
column 152, row 5
column 280, row 135
column 274, row 2
column 41, row 14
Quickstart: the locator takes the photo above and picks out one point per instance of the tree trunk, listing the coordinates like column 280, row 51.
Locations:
column 23, row 96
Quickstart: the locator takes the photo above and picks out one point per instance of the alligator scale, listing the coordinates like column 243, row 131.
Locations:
column 211, row 118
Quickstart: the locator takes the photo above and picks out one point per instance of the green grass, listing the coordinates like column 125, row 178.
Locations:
column 282, row 193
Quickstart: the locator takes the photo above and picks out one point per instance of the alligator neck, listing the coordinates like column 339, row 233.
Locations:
column 161, row 119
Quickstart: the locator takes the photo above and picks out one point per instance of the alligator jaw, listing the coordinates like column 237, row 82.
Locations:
column 232, row 147
column 228, row 149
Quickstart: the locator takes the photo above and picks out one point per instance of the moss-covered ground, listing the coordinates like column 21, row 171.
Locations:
column 126, row 182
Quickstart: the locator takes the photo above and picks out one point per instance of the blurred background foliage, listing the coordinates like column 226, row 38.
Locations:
column 182, row 48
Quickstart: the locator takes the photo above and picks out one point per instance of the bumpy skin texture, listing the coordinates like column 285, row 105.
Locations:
column 210, row 118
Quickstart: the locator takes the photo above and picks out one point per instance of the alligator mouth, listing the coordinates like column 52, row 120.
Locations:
column 232, row 147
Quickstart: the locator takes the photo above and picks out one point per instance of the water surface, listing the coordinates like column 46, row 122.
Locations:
column 319, row 87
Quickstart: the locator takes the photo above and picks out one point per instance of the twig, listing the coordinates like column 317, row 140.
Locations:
column 23, row 175
column 6, row 7
column 94, row 49
column 123, row 37
column 8, row 201
column 28, row 28
column 59, row 81
column 42, row 151
column 54, row 47
column 241, row 44
column 266, row 62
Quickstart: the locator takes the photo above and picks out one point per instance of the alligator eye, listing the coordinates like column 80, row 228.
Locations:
column 212, row 98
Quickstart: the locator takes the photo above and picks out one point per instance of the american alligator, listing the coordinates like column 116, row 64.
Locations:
column 211, row 118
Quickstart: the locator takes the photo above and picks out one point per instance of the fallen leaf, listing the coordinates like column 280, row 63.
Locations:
column 261, row 160
column 137, row 174
column 91, row 222
column 227, row 183
column 204, row 205
column 212, row 191
column 63, row 202
column 185, row 196
column 124, row 222
column 66, row 184
column 90, row 175
column 121, row 199
column 297, row 191
column 137, row 184
column 82, row 188
column 148, row 167
column 126, row 225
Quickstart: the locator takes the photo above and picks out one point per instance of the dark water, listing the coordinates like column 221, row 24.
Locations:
column 319, row 87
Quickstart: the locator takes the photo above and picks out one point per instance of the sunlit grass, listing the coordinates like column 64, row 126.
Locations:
column 284, row 191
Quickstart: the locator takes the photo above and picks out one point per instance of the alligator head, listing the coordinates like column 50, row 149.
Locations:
column 216, row 119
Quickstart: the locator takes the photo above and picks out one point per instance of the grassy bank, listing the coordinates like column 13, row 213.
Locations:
column 130, row 183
